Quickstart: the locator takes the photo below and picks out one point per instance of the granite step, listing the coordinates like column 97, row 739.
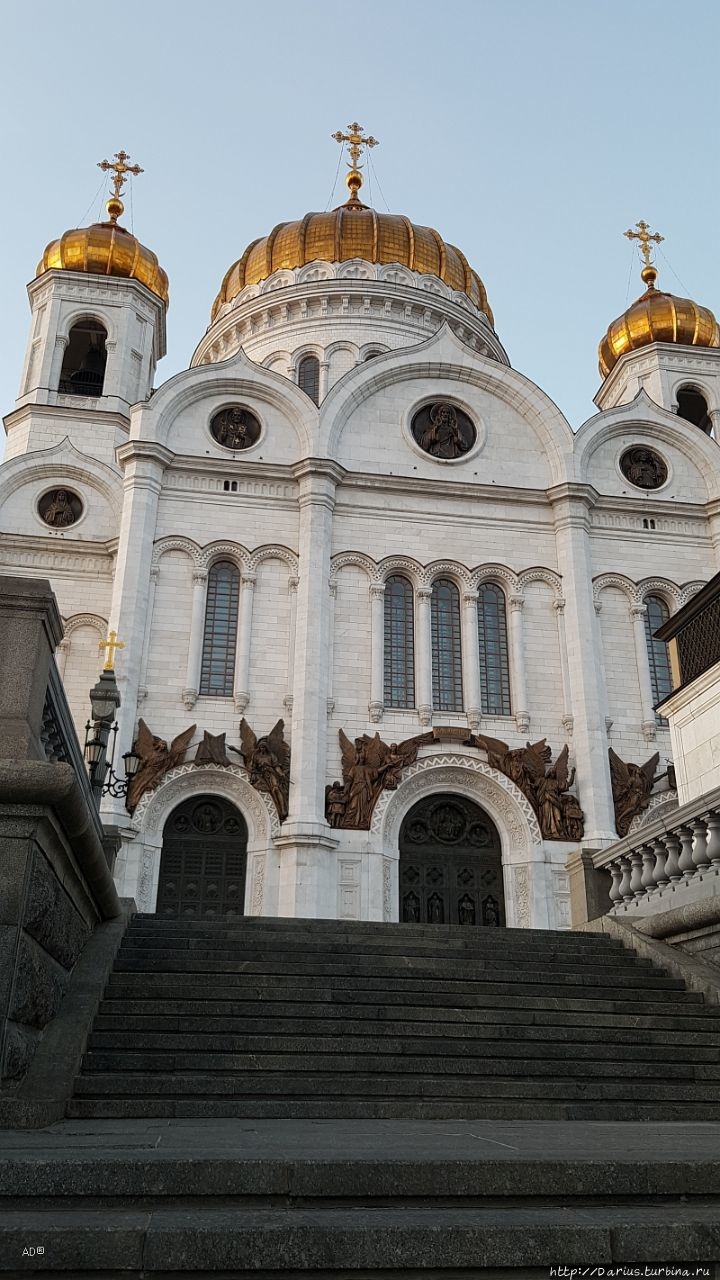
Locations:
column 391, row 1044
column 357, row 929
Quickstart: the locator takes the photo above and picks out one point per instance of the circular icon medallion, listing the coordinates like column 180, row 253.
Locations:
column 443, row 430
column 643, row 467
column 235, row 428
column 60, row 508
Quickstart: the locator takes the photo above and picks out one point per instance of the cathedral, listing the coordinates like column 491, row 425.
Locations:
column 381, row 619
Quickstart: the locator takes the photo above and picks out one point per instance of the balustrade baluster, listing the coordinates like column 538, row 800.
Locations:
column 625, row 892
column 636, row 884
column 672, row 866
column 686, row 864
column 648, row 875
column 700, row 857
column 615, row 870
column 713, row 844
column 661, row 854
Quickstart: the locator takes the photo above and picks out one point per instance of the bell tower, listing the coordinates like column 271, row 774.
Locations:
column 98, row 301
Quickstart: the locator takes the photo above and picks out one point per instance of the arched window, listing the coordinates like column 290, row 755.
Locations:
column 309, row 377
column 221, row 617
column 83, row 366
column 446, row 650
column 493, row 645
column 692, row 406
column 399, row 644
column 656, row 613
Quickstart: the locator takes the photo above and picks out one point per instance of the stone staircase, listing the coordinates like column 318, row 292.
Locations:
column 324, row 1019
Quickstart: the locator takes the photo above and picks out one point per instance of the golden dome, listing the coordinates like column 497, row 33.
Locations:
column 657, row 317
column 353, row 231
column 105, row 249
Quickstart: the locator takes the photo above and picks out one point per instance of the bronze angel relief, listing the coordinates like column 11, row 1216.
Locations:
column 548, row 789
column 157, row 760
column 631, row 787
column 369, row 766
column 267, row 761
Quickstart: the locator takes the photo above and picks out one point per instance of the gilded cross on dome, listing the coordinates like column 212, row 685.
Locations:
column 356, row 142
column 645, row 236
column 119, row 169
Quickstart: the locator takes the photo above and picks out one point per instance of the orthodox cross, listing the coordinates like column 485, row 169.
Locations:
column 644, row 236
column 119, row 169
column 356, row 141
column 111, row 644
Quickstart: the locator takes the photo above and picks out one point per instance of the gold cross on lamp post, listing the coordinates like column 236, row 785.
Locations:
column 356, row 142
column 119, row 169
column 111, row 644
column 644, row 235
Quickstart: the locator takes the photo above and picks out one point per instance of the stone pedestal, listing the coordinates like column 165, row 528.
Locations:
column 589, row 888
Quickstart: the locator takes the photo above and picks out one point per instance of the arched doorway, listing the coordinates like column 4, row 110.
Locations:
column 450, row 864
column 203, row 861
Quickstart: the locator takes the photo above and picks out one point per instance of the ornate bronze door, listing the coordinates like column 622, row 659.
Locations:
column 203, row 863
column 450, row 865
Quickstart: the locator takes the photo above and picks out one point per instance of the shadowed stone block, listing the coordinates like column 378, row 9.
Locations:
column 50, row 917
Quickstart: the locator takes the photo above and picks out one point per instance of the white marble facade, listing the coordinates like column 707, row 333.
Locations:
column 316, row 515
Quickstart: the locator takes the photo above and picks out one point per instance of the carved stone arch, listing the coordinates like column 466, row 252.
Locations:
column 274, row 551
column 355, row 269
column 172, row 543
column 403, row 565
column 540, row 574
column 278, row 280
column 618, row 580
column 357, row 558
column 313, row 271
column 691, row 383
column 307, row 349
column 63, row 462
column 85, row 620
column 448, row 569
column 396, row 274
column 270, row 360
column 187, row 780
column 663, row 587
column 233, row 551
column 656, row 427
column 88, row 313
column 510, row 811
column 372, row 348
column 497, row 573
column 341, row 344
column 689, row 590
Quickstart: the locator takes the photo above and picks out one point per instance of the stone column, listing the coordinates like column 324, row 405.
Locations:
column 518, row 682
column 589, row 888
column 154, row 575
column 307, row 869
column 377, row 650
column 61, row 655
column 471, row 659
column 241, row 684
column 292, row 592
column 637, row 614
column 567, row 716
column 323, row 380
column 58, row 356
column 144, row 463
column 331, row 646
column 197, row 628
column 571, row 506
column 423, row 654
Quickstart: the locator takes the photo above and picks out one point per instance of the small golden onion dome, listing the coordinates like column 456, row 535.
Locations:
column 353, row 231
column 105, row 249
column 657, row 317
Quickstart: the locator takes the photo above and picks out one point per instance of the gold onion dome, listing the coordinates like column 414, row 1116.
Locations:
column 353, row 230
column 656, row 317
column 105, row 249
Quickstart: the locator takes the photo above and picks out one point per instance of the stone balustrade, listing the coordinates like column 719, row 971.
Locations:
column 668, row 863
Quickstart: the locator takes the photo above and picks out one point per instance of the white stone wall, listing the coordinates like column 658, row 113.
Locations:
column 695, row 732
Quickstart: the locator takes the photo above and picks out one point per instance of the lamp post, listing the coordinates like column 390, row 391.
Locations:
column 104, row 702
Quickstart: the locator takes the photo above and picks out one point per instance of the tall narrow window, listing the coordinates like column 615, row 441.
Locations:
column 493, row 645
column 221, row 618
column 83, row 366
column 446, row 650
column 309, row 377
column 656, row 613
column 399, row 644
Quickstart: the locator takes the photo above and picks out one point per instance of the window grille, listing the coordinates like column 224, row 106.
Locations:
column 699, row 643
column 221, row 618
column 656, row 613
column 399, row 690
column 309, row 377
column 493, row 646
column 446, row 646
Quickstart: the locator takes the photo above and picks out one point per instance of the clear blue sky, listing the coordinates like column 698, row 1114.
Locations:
column 531, row 133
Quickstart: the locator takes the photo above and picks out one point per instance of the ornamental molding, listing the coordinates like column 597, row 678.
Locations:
column 85, row 620
column 422, row 576
column 659, row 806
column 539, row 574
column 649, row 586
column 689, row 590
column 229, row 781
column 521, row 896
column 163, row 545
column 489, row 788
column 258, row 884
column 449, row 569
column 355, row 558
column 617, row 580
column 275, row 551
column 225, row 550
